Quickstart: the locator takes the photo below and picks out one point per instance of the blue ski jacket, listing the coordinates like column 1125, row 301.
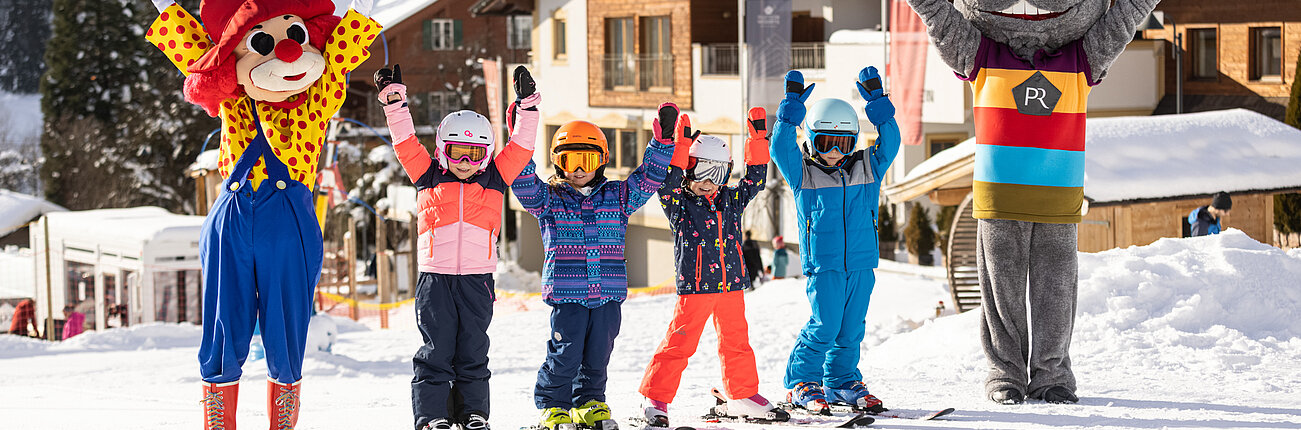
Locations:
column 836, row 206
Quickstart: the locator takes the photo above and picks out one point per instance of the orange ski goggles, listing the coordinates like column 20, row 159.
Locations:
column 460, row 152
column 575, row 160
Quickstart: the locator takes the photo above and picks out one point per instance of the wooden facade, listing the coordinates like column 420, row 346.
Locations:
column 638, row 91
column 1137, row 224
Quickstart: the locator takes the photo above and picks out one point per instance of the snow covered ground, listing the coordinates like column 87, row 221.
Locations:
column 1187, row 333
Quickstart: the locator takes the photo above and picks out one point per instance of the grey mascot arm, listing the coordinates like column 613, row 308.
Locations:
column 954, row 36
column 1108, row 37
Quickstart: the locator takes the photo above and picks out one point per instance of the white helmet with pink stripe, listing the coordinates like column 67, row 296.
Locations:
column 469, row 136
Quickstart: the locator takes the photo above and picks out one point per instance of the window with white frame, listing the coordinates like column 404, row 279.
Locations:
column 442, row 34
column 519, row 30
column 433, row 106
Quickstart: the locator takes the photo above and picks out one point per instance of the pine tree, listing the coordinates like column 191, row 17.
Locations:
column 919, row 235
column 117, row 131
column 24, row 29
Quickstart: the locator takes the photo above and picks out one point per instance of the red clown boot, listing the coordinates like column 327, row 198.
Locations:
column 219, row 405
column 282, row 404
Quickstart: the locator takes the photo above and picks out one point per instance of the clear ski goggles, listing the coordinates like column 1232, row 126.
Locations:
column 824, row 142
column 465, row 152
column 575, row 160
column 710, row 170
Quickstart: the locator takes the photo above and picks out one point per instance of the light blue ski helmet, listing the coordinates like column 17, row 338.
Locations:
column 829, row 116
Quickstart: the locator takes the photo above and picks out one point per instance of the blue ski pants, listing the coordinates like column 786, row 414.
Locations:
column 827, row 349
column 451, row 368
column 578, row 354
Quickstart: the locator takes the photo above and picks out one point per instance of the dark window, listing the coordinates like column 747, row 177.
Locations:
column 559, row 39
column 1204, row 51
column 620, row 58
column 1266, row 53
column 519, row 30
column 551, row 135
column 628, row 148
column 442, row 34
column 656, row 62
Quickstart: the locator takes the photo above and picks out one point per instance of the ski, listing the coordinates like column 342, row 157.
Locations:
column 842, row 408
column 599, row 425
column 860, row 420
column 644, row 424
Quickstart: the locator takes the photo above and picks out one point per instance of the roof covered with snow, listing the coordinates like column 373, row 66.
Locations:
column 388, row 12
column 1135, row 158
column 1166, row 156
column 17, row 209
column 862, row 37
column 140, row 225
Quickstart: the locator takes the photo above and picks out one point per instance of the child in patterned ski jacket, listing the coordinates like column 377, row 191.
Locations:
column 705, row 216
column 584, row 218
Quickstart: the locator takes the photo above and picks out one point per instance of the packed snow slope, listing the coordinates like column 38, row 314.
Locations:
column 1184, row 333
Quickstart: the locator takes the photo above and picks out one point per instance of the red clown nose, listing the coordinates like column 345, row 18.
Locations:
column 288, row 50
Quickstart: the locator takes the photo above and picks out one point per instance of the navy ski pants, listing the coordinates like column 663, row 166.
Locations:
column 578, row 354
column 451, row 368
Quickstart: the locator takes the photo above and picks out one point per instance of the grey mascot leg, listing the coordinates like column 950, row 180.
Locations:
column 1016, row 259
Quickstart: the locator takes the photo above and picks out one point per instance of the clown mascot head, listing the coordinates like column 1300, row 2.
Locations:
column 274, row 71
column 1031, row 64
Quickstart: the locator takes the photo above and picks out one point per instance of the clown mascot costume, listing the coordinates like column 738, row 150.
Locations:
column 274, row 71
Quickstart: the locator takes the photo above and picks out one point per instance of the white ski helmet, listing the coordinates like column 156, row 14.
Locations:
column 464, row 127
column 709, row 147
column 831, row 116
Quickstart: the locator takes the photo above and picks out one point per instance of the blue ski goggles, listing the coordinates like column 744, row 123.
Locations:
column 824, row 141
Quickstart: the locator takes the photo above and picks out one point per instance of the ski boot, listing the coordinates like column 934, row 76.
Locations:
column 556, row 419
column 754, row 409
column 1007, row 396
column 855, row 395
column 809, row 396
column 655, row 415
column 1060, row 395
column 438, row 424
column 595, row 415
column 475, row 421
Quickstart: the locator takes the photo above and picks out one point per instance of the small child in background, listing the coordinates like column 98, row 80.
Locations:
column 780, row 258
column 460, row 194
column 705, row 216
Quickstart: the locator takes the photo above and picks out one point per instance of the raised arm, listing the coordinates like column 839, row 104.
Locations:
column 785, row 150
column 182, row 49
column 522, row 122
column 646, row 179
column 1108, row 37
column 756, row 158
column 880, row 112
column 393, row 95
column 954, row 36
column 671, row 189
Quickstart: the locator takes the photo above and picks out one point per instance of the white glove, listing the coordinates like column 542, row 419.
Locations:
column 361, row 6
column 162, row 5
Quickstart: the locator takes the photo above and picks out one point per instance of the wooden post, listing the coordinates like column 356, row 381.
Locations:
column 350, row 263
column 381, row 268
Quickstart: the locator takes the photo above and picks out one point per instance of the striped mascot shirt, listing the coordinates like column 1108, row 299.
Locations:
column 1030, row 133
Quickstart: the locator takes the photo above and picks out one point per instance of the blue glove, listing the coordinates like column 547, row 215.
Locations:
column 879, row 108
column 792, row 110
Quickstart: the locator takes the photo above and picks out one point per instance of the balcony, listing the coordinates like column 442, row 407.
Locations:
column 722, row 58
column 648, row 72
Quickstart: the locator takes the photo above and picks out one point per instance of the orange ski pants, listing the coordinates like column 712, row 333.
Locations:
column 740, row 379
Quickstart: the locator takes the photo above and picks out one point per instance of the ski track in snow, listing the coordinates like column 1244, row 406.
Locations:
column 1194, row 333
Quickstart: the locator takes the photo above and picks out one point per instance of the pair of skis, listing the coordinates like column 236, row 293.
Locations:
column 859, row 418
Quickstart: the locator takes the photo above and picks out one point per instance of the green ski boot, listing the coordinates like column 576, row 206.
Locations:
column 594, row 415
column 556, row 419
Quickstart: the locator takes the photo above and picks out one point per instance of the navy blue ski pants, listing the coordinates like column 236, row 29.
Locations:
column 578, row 354
column 451, row 368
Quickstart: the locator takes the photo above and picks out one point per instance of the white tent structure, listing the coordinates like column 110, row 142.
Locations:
column 119, row 266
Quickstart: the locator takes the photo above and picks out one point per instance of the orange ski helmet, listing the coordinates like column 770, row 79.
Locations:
column 577, row 136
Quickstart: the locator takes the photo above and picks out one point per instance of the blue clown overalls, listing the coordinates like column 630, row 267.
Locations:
column 261, row 254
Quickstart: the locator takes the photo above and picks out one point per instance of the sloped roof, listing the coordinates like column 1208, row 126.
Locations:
column 1154, row 157
column 17, row 209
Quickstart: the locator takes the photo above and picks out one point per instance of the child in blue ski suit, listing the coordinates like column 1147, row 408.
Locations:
column 837, row 189
column 583, row 218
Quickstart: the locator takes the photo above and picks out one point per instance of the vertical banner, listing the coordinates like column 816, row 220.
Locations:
column 907, row 70
column 768, row 36
column 492, row 83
